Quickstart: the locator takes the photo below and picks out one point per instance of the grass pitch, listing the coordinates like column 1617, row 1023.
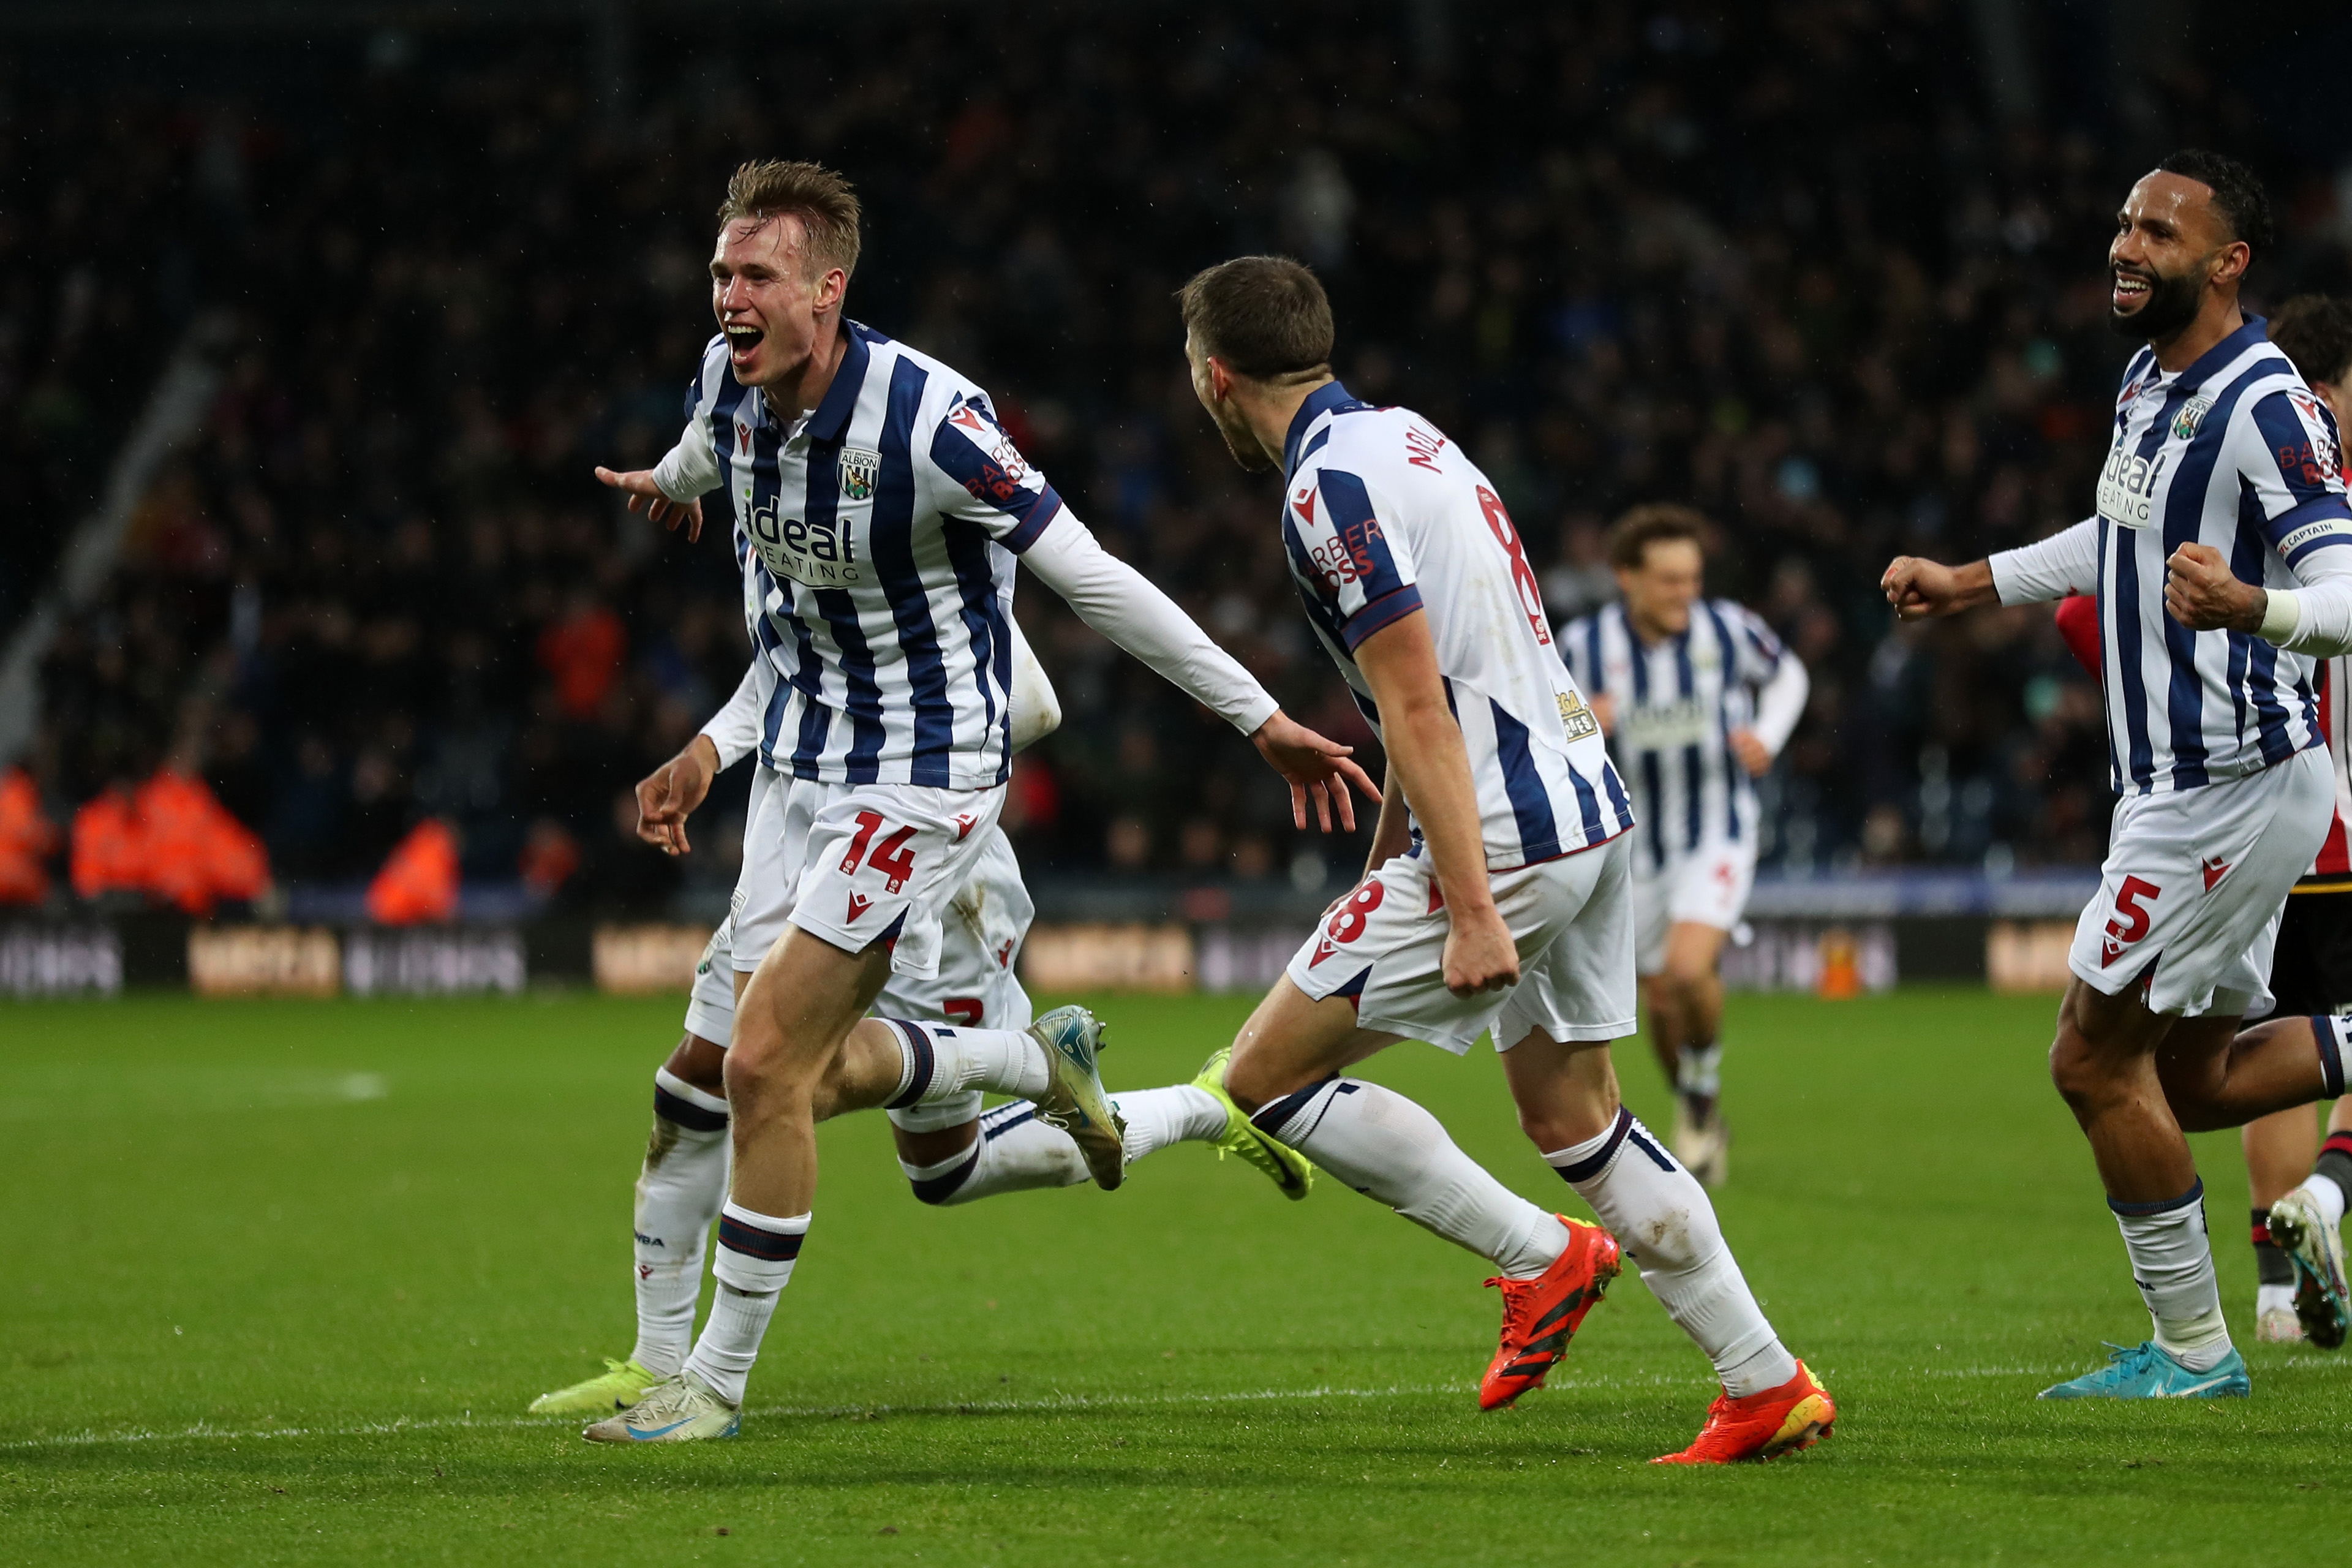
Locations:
column 283, row 1276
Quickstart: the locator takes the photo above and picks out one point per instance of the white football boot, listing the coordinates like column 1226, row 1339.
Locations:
column 681, row 1409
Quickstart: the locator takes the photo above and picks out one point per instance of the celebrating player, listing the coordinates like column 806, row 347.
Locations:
column 1696, row 697
column 1497, row 893
column 950, row 1151
column 2298, row 1185
column 2216, row 557
column 888, row 508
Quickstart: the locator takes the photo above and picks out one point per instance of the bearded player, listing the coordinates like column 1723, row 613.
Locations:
column 886, row 510
column 1696, row 697
column 2219, row 557
column 1497, row 893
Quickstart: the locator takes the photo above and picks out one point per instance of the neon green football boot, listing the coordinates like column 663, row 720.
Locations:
column 1284, row 1166
column 624, row 1383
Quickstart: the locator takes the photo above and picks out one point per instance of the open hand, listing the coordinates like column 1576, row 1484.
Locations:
column 638, row 485
column 1313, row 765
column 669, row 794
column 2202, row 594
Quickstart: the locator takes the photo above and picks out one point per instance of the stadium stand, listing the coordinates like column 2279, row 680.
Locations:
column 1782, row 264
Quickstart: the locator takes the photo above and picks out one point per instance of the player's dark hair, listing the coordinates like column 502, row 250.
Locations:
column 1265, row 316
column 2314, row 333
column 2238, row 194
column 1629, row 540
column 828, row 209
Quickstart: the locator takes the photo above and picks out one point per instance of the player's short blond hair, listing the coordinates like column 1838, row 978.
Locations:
column 828, row 209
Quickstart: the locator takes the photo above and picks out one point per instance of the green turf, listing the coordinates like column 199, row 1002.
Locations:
column 283, row 1276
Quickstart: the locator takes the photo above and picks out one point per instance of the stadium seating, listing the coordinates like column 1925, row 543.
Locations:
column 1779, row 265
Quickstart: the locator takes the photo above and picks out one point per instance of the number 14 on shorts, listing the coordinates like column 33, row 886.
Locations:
column 891, row 857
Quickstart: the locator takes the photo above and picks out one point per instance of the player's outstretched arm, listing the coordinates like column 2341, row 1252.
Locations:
column 1121, row 604
column 1429, row 760
column 1919, row 588
column 638, row 485
column 670, row 491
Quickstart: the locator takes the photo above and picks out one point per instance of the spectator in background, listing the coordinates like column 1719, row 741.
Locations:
column 1776, row 264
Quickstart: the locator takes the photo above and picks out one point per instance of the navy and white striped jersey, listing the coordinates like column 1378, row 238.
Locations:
column 878, row 538
column 1384, row 516
column 1676, row 704
column 2234, row 452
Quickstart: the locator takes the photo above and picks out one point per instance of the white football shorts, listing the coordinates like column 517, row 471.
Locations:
column 2194, row 881
column 977, row 938
column 1572, row 917
column 1708, row 886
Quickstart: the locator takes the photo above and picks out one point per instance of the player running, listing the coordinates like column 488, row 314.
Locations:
column 1696, row 697
column 1497, row 893
column 886, row 510
column 950, row 1151
column 2216, row 558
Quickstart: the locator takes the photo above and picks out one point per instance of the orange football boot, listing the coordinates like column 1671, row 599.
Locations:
column 1797, row 1414
column 1542, row 1314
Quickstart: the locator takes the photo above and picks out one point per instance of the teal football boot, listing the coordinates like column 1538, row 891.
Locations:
column 2143, row 1371
column 1074, row 1100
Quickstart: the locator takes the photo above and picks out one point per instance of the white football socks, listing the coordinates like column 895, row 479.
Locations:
column 2172, row 1264
column 1156, row 1118
column 756, row 1253
column 937, row 1061
column 2326, row 1195
column 1387, row 1147
column 1661, row 1217
column 1698, row 1071
column 1015, row 1151
column 679, row 1189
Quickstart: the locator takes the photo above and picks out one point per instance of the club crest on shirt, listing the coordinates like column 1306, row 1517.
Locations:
column 2192, row 413
column 858, row 468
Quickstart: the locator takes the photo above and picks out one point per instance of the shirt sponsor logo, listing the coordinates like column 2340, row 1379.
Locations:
column 821, row 554
column 2127, row 488
column 858, row 468
column 1664, row 726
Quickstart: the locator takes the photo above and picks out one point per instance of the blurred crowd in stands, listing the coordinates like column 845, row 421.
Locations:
column 1782, row 263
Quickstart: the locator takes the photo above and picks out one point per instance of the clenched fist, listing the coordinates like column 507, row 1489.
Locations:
column 2202, row 594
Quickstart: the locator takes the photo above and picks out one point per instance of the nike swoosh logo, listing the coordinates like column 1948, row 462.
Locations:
column 2198, row 1388
column 656, row 1432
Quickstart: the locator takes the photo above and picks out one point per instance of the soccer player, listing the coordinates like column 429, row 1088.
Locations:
column 1497, row 894
column 1696, row 697
column 2295, row 1181
column 949, row 1151
column 886, row 510
column 2217, row 555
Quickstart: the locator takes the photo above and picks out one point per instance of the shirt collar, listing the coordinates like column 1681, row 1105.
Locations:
column 2255, row 331
column 1319, row 402
column 831, row 419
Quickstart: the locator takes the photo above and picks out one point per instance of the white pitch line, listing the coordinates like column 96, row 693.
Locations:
column 201, row 1433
